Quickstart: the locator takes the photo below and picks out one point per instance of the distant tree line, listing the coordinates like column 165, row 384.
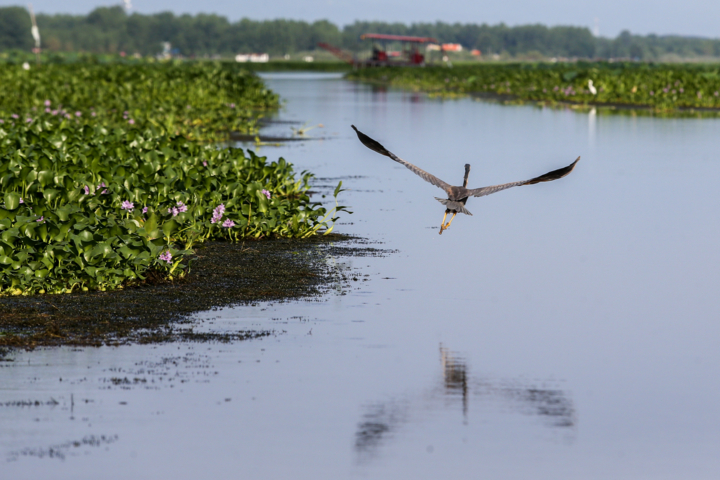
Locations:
column 111, row 30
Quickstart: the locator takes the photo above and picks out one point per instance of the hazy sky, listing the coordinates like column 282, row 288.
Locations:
column 688, row 17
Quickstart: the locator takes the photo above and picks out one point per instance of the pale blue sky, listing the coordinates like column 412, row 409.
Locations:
column 689, row 17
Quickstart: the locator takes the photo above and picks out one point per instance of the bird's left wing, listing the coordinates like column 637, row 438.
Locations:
column 548, row 177
column 376, row 147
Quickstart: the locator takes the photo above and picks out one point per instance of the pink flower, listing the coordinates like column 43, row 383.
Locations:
column 266, row 193
column 54, row 112
column 15, row 116
column 93, row 114
column 21, row 200
column 652, row 93
column 131, row 121
column 181, row 207
column 47, row 110
column 87, row 190
column 166, row 257
column 77, row 114
column 218, row 213
column 40, row 220
column 127, row 205
column 716, row 94
column 228, row 223
column 699, row 94
column 682, row 90
column 205, row 162
column 174, row 211
column 48, row 103
column 144, row 210
column 28, row 120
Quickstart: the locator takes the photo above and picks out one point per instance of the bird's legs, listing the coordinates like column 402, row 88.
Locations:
column 443, row 226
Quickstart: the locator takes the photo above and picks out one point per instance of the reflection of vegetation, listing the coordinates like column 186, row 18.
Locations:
column 664, row 88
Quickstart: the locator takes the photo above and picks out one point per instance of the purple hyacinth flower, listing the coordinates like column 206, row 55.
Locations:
column 40, row 220
column 266, row 193
column 21, row 200
column 131, row 121
column 144, row 210
column 228, row 223
column 127, row 205
column 166, row 257
column 48, row 103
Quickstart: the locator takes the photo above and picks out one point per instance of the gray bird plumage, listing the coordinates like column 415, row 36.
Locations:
column 457, row 196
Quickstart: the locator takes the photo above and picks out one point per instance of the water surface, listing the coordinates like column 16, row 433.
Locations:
column 566, row 330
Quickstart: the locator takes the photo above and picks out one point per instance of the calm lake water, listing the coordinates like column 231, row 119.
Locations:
column 566, row 330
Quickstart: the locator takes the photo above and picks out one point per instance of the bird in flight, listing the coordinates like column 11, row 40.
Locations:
column 457, row 196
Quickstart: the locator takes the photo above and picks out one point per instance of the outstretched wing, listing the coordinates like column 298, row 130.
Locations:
column 376, row 147
column 548, row 177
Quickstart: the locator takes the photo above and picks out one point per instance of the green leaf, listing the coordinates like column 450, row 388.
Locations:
column 45, row 177
column 12, row 200
column 169, row 227
column 151, row 223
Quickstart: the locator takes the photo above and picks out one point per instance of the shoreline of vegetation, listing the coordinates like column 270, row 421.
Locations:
column 224, row 274
column 110, row 174
column 666, row 89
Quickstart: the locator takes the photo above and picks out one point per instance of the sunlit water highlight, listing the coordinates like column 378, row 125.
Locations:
column 566, row 330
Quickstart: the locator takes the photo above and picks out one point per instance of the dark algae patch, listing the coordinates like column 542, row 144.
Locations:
column 222, row 274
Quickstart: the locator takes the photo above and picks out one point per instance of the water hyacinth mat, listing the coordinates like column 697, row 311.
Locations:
column 661, row 88
column 97, row 209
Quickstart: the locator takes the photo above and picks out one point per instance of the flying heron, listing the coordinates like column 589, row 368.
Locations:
column 457, row 196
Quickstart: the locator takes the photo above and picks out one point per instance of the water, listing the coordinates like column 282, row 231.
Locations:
column 566, row 330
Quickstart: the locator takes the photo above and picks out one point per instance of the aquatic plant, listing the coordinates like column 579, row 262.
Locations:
column 199, row 100
column 662, row 87
column 90, row 207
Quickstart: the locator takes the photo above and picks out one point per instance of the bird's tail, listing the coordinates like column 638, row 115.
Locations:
column 453, row 206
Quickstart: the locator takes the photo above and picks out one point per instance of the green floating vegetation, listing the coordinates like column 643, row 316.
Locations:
column 662, row 87
column 199, row 100
column 100, row 202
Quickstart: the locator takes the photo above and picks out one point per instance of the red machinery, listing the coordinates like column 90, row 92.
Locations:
column 410, row 56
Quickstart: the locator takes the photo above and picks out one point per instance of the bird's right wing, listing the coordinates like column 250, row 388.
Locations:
column 376, row 147
column 548, row 177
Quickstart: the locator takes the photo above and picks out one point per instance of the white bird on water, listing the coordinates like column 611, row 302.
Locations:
column 592, row 88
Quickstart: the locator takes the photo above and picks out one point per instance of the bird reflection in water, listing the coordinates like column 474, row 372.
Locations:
column 381, row 420
column 455, row 377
